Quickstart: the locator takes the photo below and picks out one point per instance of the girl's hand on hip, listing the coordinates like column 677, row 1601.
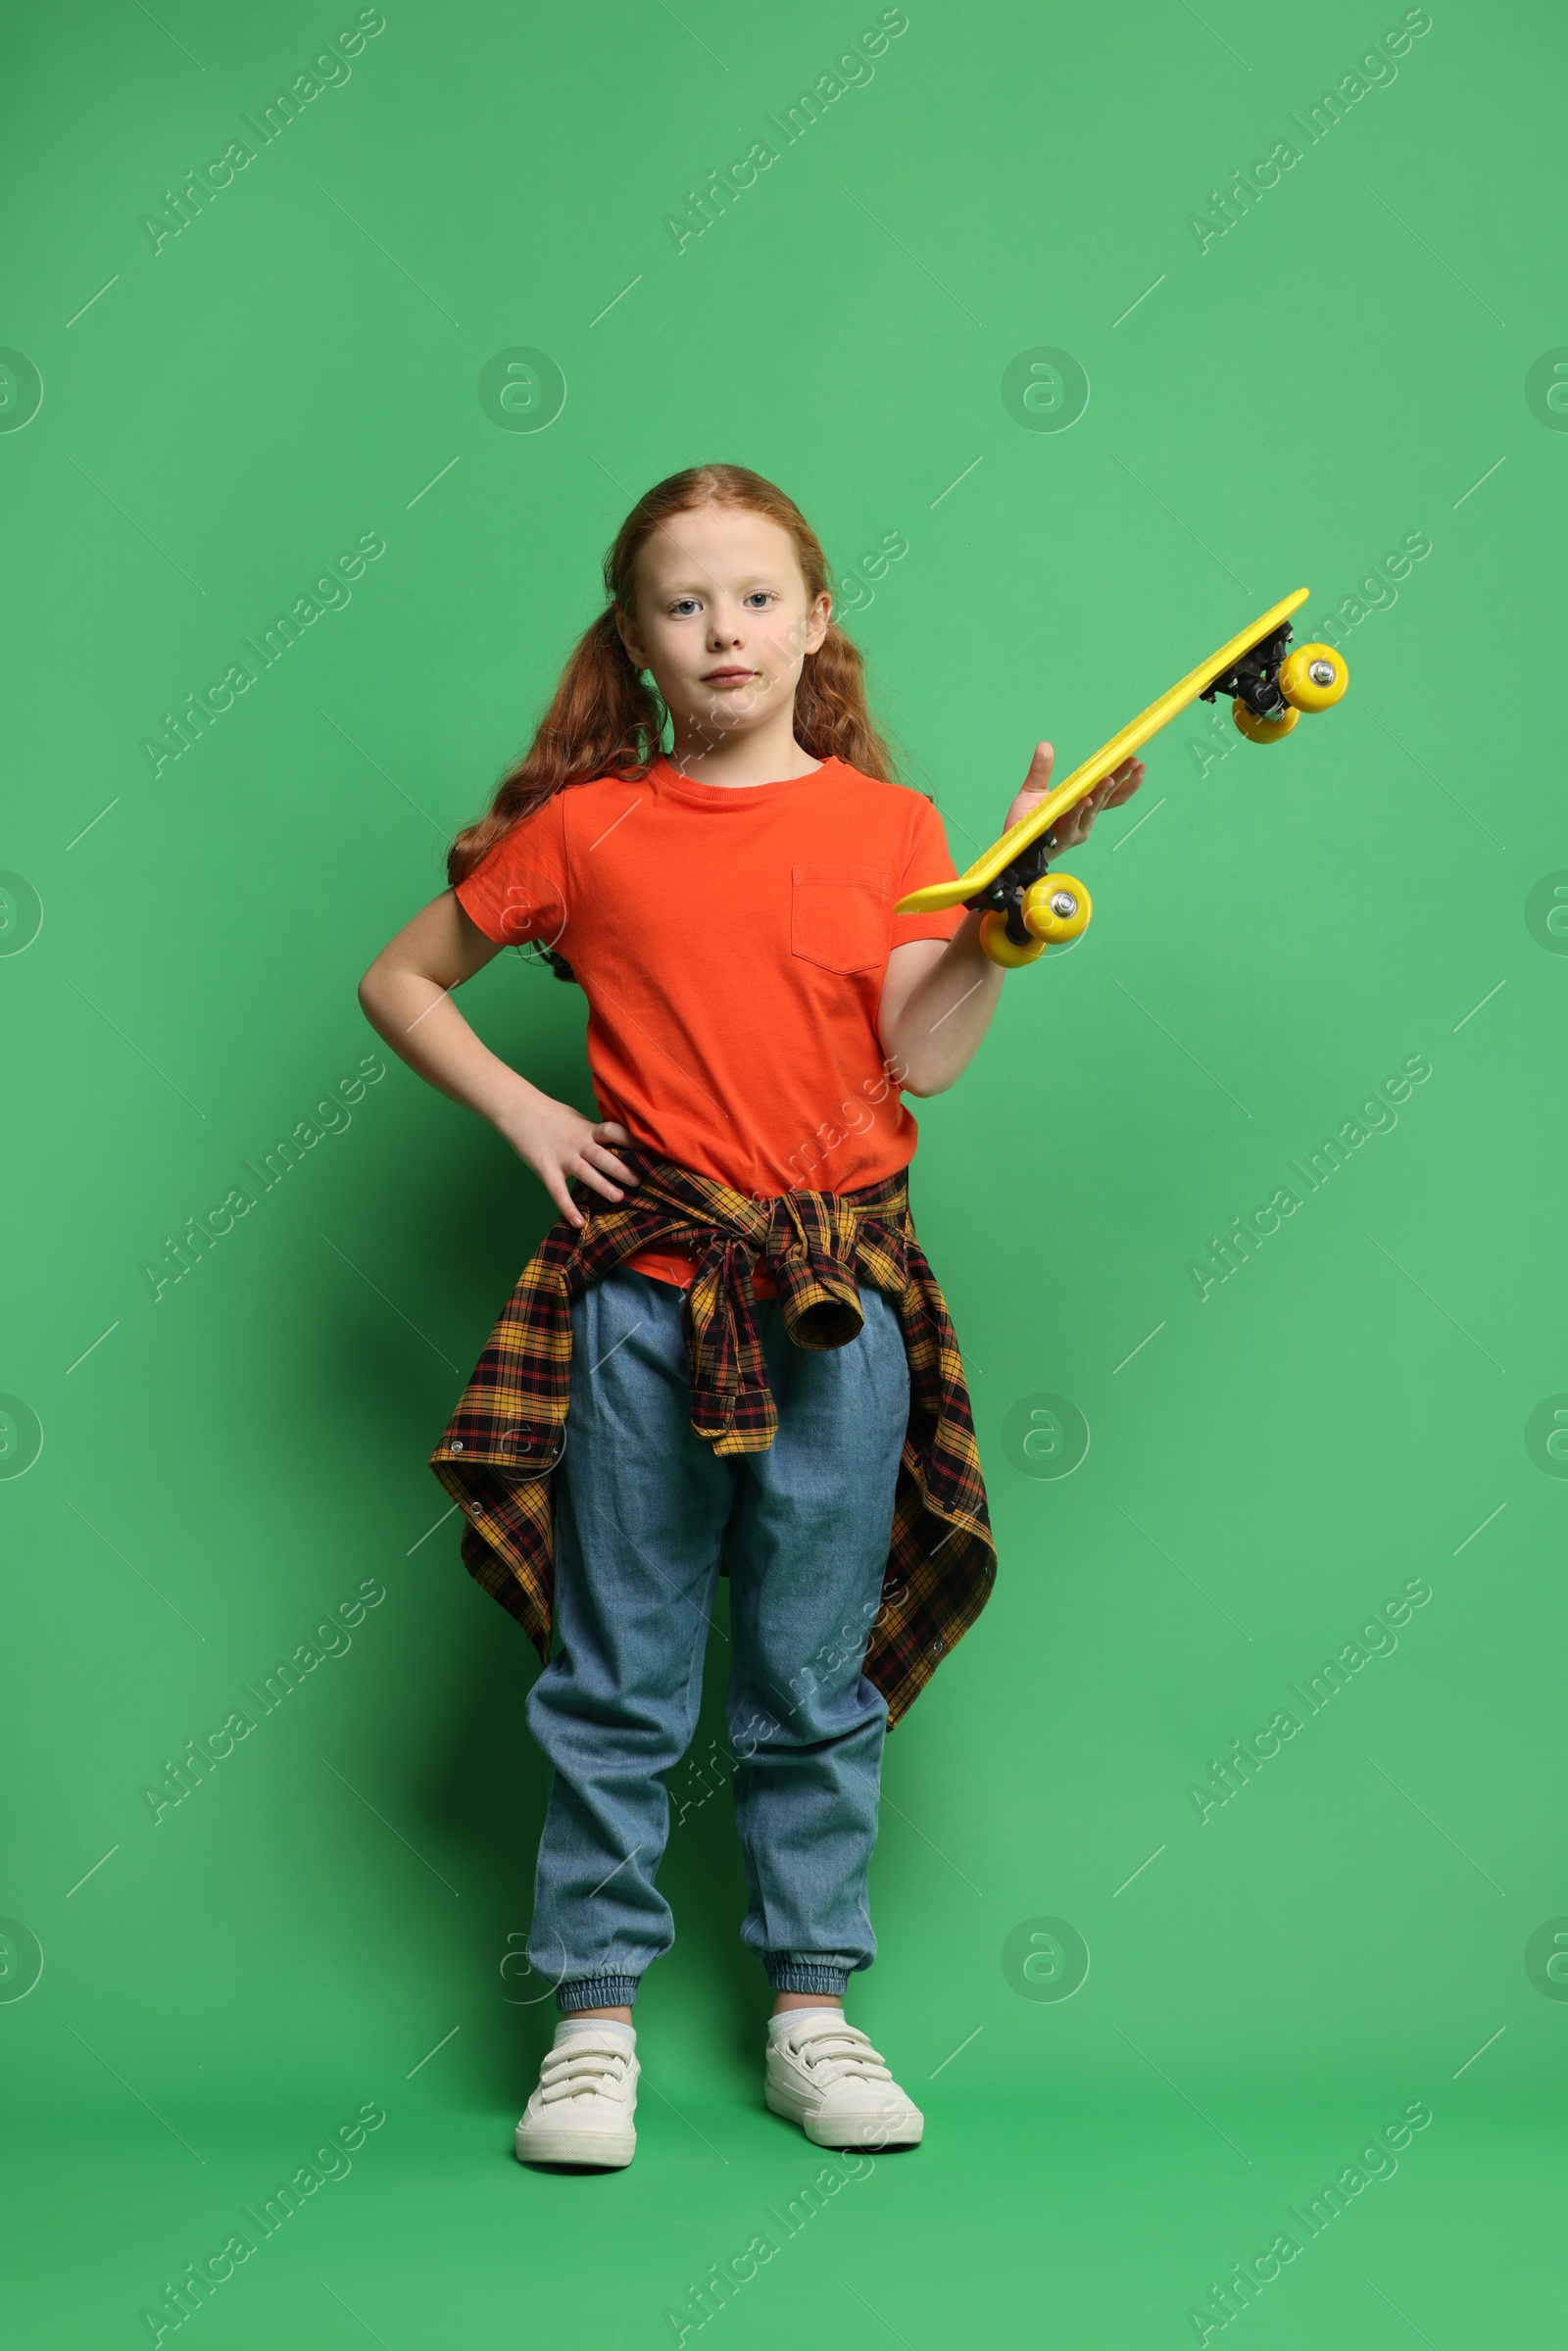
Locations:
column 1073, row 828
column 562, row 1147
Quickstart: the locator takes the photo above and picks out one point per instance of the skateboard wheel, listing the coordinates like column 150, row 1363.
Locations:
column 1057, row 909
column 1313, row 677
column 1263, row 730
column 1002, row 950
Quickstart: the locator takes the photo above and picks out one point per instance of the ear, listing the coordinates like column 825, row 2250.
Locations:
column 816, row 625
column 636, row 652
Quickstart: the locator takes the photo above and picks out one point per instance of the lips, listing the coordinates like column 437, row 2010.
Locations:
column 728, row 677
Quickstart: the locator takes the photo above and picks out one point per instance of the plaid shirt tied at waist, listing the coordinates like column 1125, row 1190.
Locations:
column 501, row 1444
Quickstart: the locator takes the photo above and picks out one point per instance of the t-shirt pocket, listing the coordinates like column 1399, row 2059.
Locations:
column 841, row 916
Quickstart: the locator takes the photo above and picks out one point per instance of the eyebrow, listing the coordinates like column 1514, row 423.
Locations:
column 756, row 581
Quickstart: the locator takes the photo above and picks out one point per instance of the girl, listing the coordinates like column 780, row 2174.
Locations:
column 729, row 1355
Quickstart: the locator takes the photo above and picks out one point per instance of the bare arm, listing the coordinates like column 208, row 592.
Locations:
column 938, row 997
column 407, row 998
column 937, row 1003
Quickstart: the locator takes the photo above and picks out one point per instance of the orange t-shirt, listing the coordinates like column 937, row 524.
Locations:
column 732, row 943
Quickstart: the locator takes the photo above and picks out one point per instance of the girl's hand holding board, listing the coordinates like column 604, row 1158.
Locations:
column 1074, row 827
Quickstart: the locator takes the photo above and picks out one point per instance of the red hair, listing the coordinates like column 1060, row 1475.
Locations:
column 607, row 718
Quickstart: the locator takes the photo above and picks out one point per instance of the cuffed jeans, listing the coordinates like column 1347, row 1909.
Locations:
column 644, row 1509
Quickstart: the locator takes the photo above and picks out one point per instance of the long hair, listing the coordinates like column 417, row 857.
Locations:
column 607, row 718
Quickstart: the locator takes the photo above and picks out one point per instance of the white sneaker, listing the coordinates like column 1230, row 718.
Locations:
column 584, row 2108
column 825, row 2075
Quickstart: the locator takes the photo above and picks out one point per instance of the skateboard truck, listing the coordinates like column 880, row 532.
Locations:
column 1026, row 911
column 1256, row 678
column 1269, row 688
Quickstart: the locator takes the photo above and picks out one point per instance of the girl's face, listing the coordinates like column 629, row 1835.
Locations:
column 723, row 620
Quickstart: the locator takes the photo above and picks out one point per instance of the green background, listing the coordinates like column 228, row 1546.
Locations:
column 1345, row 366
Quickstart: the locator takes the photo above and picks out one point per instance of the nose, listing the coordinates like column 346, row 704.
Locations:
column 723, row 627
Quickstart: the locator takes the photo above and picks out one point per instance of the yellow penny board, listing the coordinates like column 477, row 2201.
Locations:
column 937, row 895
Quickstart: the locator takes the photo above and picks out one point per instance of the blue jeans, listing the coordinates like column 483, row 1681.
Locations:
column 644, row 1509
